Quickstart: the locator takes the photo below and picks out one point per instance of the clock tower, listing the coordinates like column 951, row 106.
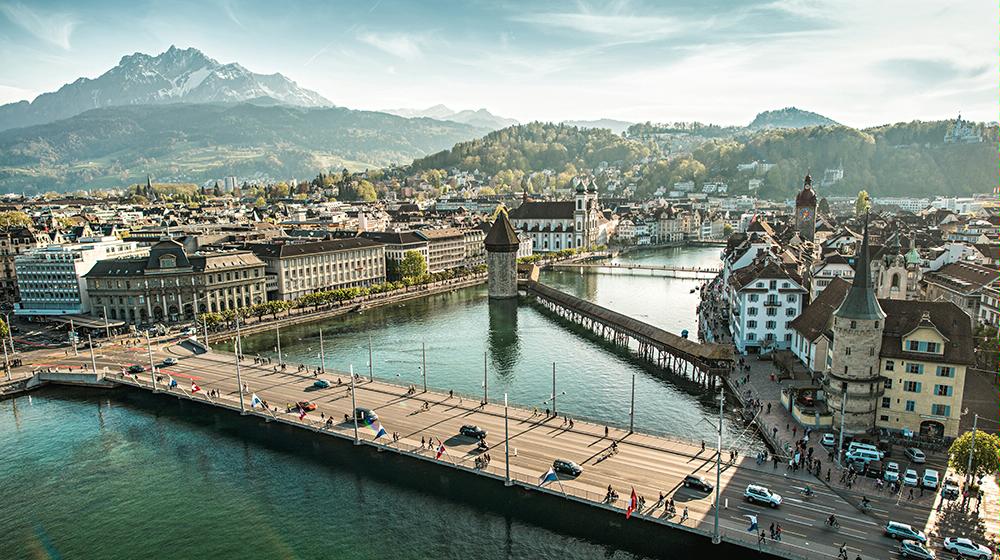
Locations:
column 805, row 211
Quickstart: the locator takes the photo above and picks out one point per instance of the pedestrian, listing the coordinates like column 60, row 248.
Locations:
column 702, row 446
column 911, row 493
column 777, row 533
column 769, row 408
column 684, row 515
column 771, row 530
column 605, row 431
column 423, row 442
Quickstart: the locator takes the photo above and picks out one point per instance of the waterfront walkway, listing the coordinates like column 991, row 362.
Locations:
column 650, row 464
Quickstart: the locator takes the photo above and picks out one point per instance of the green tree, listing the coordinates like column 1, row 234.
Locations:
column 862, row 204
column 412, row 266
column 4, row 329
column 366, row 191
column 260, row 202
column 14, row 218
column 824, row 206
column 985, row 456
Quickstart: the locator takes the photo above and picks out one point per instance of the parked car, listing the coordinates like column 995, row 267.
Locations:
column 365, row 415
column 967, row 548
column 901, row 531
column 949, row 490
column 698, row 483
column 474, row 432
column 760, row 495
column 567, row 467
column 930, row 479
column 910, row 478
column 913, row 549
column 891, row 472
column 829, row 440
column 170, row 361
column 136, row 368
column 915, row 455
column 875, row 469
column 321, row 384
column 190, row 331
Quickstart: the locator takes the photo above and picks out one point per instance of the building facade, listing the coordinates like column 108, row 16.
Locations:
column 296, row 269
column 557, row 225
column 764, row 299
column 13, row 242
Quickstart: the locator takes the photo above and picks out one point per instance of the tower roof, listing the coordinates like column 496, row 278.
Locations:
column 807, row 196
column 860, row 302
column 502, row 238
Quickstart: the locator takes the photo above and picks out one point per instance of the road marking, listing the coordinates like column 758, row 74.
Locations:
column 805, row 520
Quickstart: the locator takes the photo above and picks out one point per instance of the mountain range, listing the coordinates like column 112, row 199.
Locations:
column 480, row 118
column 175, row 76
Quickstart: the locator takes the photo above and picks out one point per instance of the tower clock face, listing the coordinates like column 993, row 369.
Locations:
column 805, row 214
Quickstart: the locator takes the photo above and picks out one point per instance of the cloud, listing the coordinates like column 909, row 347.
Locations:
column 402, row 46
column 617, row 21
column 52, row 28
column 929, row 71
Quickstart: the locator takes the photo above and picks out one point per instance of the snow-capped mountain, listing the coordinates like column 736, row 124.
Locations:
column 174, row 76
column 480, row 118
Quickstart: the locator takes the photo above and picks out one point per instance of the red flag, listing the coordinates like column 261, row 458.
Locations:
column 633, row 504
column 302, row 413
column 440, row 450
column 195, row 388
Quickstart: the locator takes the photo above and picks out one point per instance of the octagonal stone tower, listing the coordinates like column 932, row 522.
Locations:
column 857, row 341
column 501, row 258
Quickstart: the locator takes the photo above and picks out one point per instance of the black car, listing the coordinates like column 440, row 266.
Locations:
column 567, row 467
column 471, row 431
column 875, row 470
column 698, row 483
column 136, row 368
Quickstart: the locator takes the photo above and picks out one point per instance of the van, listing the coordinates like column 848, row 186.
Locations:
column 865, row 455
column 930, row 479
column 855, row 445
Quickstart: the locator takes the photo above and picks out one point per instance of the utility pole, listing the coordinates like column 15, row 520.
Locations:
column 485, row 381
column 968, row 467
column 239, row 354
column 107, row 327
column 553, row 389
column 152, row 369
column 506, row 442
column 371, row 363
column 423, row 363
column 277, row 337
column 72, row 338
column 322, row 355
column 354, row 407
column 10, row 337
column 631, row 408
column 843, row 416
column 716, row 537
column 93, row 359
column 6, row 360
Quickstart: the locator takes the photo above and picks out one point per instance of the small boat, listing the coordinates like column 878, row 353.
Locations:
column 693, row 290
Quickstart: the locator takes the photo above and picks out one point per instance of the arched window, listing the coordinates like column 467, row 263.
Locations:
column 895, row 281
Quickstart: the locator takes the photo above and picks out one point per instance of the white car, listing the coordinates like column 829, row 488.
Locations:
column 829, row 440
column 910, row 478
column 967, row 548
column 891, row 472
column 915, row 455
column 760, row 495
column 170, row 361
column 931, row 478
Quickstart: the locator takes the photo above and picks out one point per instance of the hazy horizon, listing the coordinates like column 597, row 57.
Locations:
column 717, row 61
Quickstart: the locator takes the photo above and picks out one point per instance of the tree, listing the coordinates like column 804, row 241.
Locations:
column 4, row 329
column 14, row 218
column 413, row 265
column 985, row 456
column 366, row 191
column 862, row 204
column 824, row 206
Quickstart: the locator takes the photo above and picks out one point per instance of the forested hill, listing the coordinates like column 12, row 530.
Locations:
column 890, row 160
column 536, row 146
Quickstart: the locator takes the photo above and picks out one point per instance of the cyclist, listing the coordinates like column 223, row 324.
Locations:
column 865, row 503
column 832, row 520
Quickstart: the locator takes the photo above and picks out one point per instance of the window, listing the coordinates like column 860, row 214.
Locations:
column 940, row 410
column 788, row 337
column 752, row 312
column 847, row 351
column 883, row 418
column 772, row 311
column 751, row 336
column 769, row 325
column 754, row 297
column 790, row 312
column 911, row 386
column 790, row 298
column 854, row 324
column 887, row 383
column 917, row 369
column 921, row 346
column 945, row 371
column 886, row 402
column 751, row 324
column 911, row 406
column 943, row 390
column 890, row 365
column 773, row 285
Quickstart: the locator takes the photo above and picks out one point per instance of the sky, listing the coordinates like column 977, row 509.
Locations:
column 861, row 63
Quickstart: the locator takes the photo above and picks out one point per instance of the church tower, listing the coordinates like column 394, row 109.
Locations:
column 857, row 341
column 501, row 258
column 805, row 211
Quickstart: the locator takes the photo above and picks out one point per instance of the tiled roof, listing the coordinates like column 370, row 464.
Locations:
column 815, row 319
column 963, row 277
column 288, row 250
column 559, row 210
column 904, row 316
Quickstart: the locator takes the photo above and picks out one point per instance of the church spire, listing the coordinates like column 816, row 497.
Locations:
column 860, row 302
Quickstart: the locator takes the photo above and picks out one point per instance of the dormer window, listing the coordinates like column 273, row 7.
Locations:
column 168, row 261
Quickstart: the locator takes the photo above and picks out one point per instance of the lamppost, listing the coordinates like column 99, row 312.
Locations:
column 239, row 378
column 716, row 537
column 506, row 442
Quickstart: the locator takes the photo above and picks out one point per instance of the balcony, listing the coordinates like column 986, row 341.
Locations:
column 769, row 302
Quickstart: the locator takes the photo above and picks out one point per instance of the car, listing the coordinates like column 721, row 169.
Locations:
column 910, row 478
column 915, row 455
column 875, row 469
column 170, row 361
column 756, row 494
column 321, row 384
column 567, row 467
column 136, row 368
column 307, row 406
column 829, row 440
column 365, row 414
column 891, row 472
column 949, row 490
column 903, row 531
column 967, row 548
column 913, row 549
column 474, row 432
column 930, row 479
column 698, row 483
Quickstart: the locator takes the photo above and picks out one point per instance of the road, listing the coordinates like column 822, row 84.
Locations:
column 649, row 464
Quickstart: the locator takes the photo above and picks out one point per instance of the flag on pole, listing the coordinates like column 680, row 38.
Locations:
column 549, row 476
column 633, row 504
column 256, row 402
column 440, row 450
column 302, row 413
column 194, row 387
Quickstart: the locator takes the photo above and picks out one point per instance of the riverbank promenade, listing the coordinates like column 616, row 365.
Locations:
column 650, row 464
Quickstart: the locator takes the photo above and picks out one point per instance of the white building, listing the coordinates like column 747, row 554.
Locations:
column 557, row 225
column 51, row 279
column 764, row 299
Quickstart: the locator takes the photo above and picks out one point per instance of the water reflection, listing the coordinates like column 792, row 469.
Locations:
column 502, row 339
